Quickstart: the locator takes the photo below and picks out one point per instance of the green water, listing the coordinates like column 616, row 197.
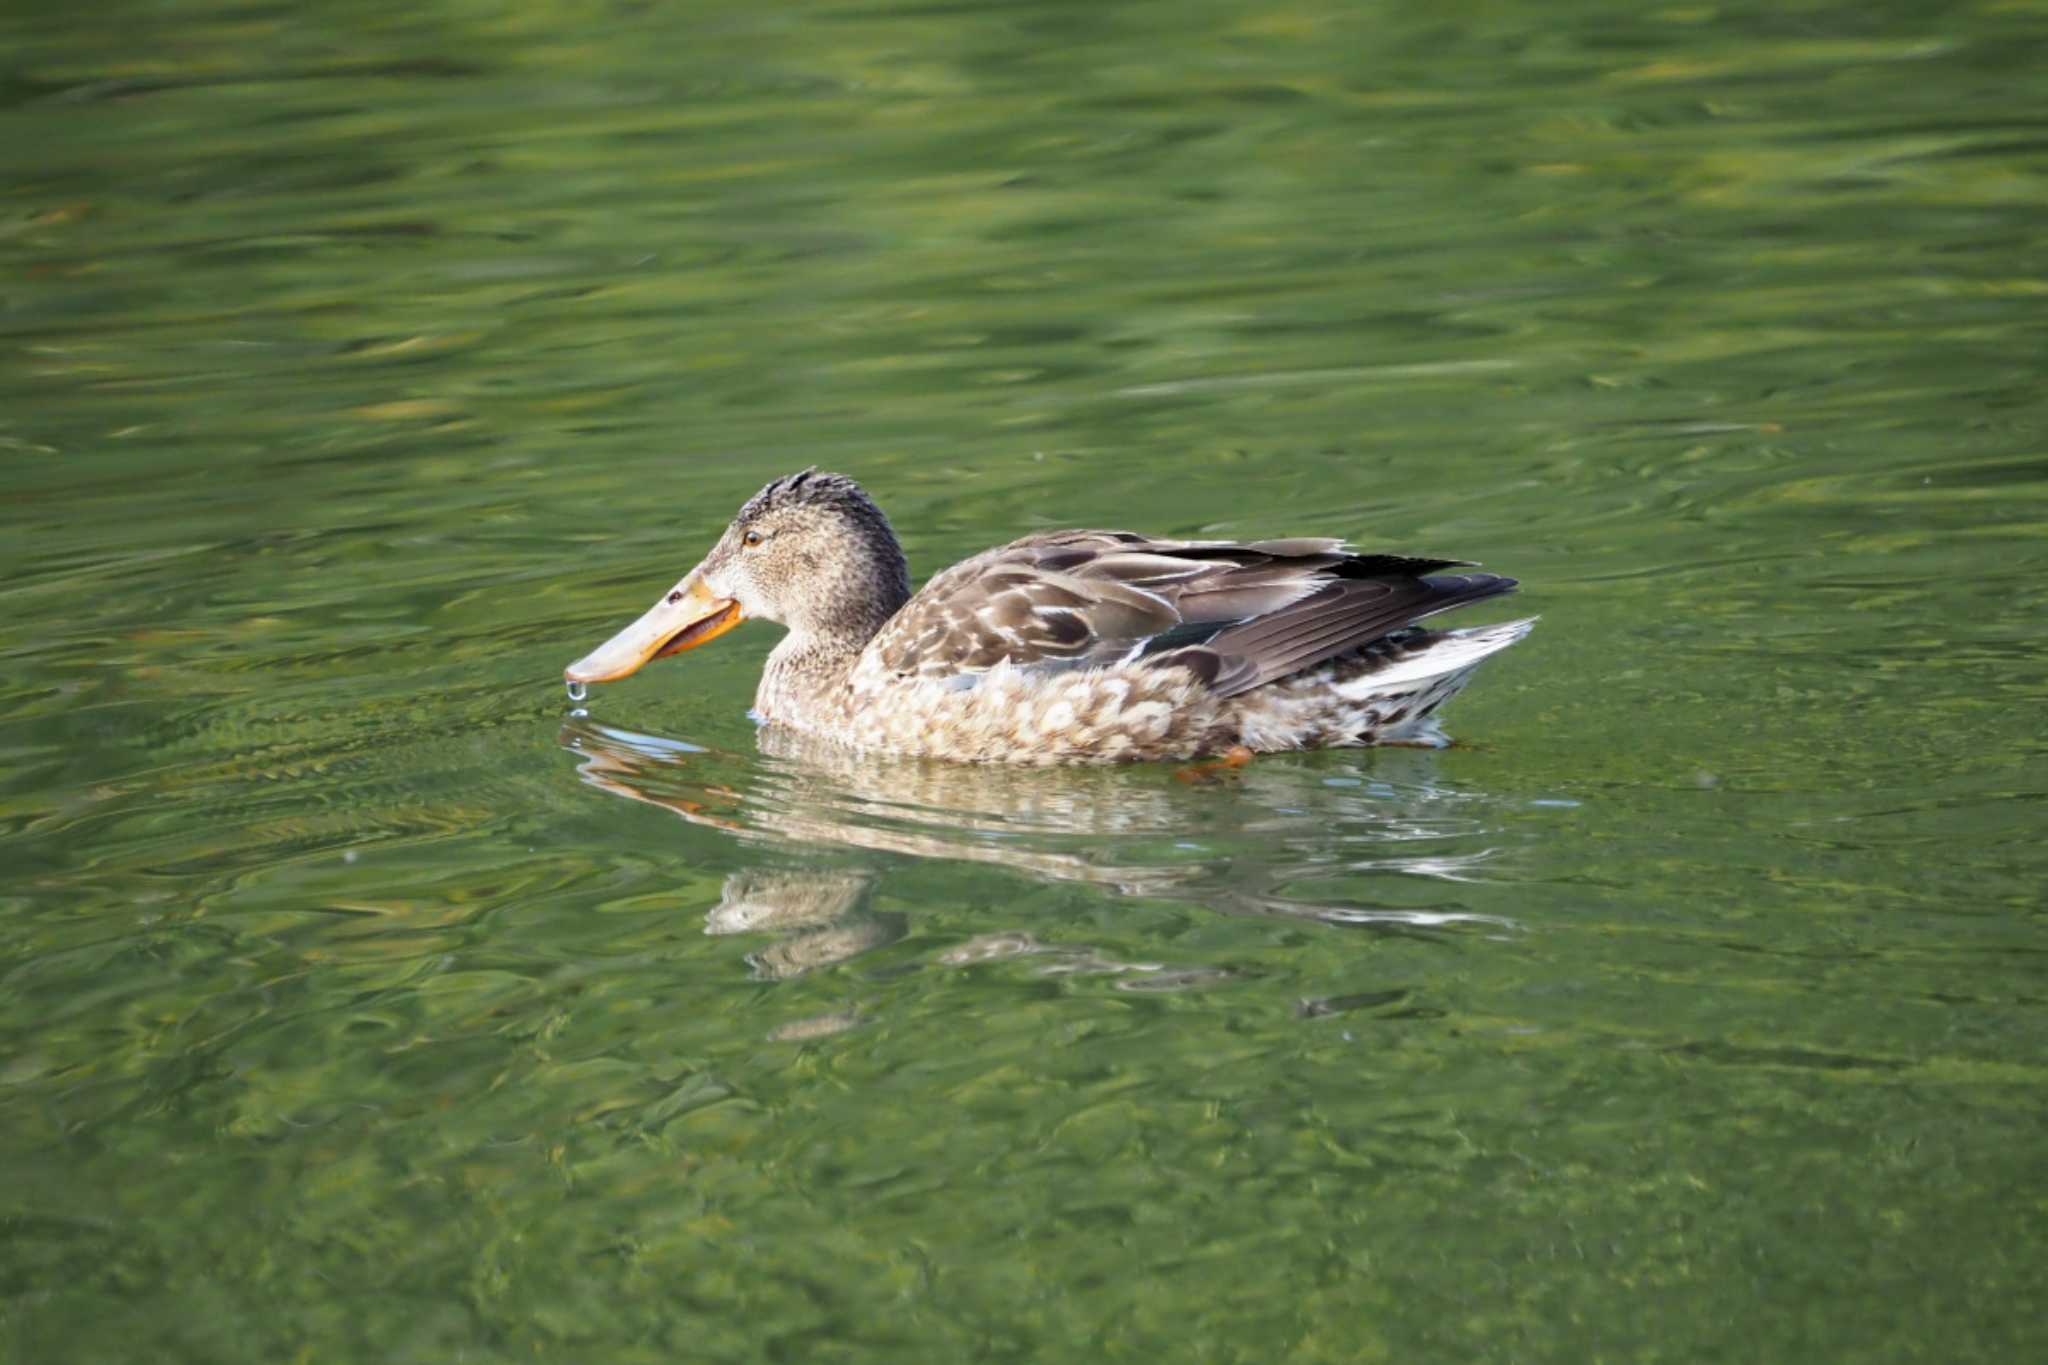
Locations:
column 361, row 365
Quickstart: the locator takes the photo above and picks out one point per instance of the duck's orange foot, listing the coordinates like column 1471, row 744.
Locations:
column 1236, row 756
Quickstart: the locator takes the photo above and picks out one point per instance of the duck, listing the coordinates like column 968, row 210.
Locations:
column 1070, row 647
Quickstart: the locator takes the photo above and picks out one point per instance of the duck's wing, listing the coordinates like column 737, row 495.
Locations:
column 1341, row 615
column 1237, row 615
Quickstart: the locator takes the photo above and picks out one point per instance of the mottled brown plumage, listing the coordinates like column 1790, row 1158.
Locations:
column 1071, row 646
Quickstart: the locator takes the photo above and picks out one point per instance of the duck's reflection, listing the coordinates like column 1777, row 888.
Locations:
column 1281, row 837
column 817, row 913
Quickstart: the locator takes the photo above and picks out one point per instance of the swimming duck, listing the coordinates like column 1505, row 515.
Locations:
column 1070, row 646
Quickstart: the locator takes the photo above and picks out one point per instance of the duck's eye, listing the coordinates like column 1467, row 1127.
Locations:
column 752, row 538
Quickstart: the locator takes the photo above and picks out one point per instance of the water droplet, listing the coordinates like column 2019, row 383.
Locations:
column 577, row 691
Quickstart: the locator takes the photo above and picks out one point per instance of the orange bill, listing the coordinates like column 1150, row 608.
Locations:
column 686, row 617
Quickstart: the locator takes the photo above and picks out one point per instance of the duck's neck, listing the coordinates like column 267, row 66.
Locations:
column 800, row 674
column 806, row 675
column 805, row 682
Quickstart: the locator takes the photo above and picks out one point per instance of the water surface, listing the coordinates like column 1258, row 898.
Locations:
column 364, row 365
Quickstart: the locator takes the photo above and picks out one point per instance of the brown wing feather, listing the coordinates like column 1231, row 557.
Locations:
column 1237, row 615
column 1340, row 616
column 1042, row 600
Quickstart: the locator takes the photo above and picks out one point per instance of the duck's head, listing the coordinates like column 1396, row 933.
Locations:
column 810, row 551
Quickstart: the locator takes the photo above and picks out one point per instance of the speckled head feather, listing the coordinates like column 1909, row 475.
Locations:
column 813, row 552
column 809, row 488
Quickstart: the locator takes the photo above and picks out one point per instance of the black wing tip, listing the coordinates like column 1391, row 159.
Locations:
column 1394, row 566
column 1474, row 587
column 1448, row 592
column 1341, row 616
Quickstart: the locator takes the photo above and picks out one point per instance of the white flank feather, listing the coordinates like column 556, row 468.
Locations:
column 1454, row 651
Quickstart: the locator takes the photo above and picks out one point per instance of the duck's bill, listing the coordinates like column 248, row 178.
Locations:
column 683, row 619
